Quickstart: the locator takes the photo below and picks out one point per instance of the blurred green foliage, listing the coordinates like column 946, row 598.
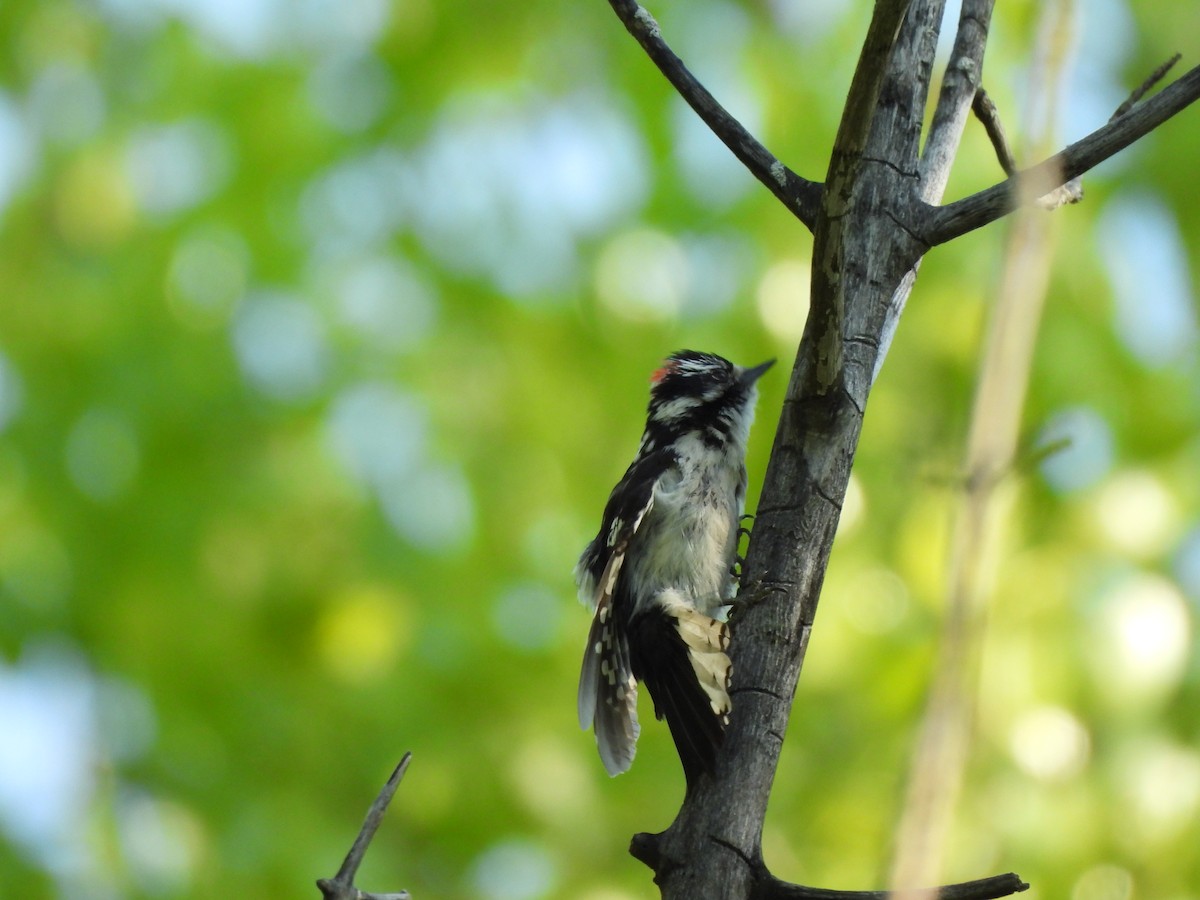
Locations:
column 324, row 329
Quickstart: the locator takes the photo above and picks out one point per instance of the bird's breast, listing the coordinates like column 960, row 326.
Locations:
column 689, row 538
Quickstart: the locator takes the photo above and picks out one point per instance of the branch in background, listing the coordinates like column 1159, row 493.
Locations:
column 942, row 748
column 799, row 195
column 944, row 223
column 341, row 886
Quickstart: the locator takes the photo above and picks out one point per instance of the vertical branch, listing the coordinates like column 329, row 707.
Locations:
column 825, row 330
column 936, row 774
column 896, row 134
column 862, row 99
column 714, row 846
column 896, row 138
column 962, row 79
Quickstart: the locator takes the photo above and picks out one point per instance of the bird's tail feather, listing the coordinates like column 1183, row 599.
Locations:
column 608, row 693
column 680, row 654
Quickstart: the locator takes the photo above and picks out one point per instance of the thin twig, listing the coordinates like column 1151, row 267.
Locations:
column 985, row 110
column 1140, row 91
column 955, row 219
column 798, row 194
column 341, row 886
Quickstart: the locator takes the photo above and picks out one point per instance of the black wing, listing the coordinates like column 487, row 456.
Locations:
column 679, row 653
column 629, row 501
column 607, row 687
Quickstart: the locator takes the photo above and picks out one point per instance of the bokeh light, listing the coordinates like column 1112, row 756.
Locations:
column 1143, row 638
column 324, row 328
column 1050, row 743
column 1136, row 513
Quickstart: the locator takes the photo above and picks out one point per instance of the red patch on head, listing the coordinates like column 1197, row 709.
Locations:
column 662, row 371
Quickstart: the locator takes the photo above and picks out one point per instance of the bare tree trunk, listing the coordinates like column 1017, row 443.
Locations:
column 873, row 220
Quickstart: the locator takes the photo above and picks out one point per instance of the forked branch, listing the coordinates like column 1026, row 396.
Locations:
column 937, row 224
column 944, row 223
column 1071, row 192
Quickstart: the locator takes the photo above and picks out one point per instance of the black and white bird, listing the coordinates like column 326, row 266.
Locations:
column 660, row 572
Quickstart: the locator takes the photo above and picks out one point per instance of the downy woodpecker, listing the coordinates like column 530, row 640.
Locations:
column 660, row 570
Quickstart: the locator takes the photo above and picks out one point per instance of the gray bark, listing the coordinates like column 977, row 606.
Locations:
column 873, row 220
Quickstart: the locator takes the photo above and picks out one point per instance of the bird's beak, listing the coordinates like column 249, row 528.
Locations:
column 749, row 376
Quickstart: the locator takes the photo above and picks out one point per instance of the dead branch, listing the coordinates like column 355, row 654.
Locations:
column 986, row 112
column 341, row 886
column 1072, row 191
column 962, row 77
column 1141, row 90
column 981, row 889
column 799, row 195
column 647, row 849
column 943, row 224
